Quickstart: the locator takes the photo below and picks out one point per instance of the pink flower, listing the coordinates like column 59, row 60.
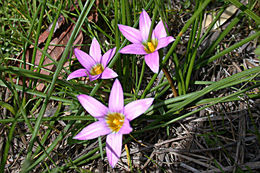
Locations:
column 141, row 45
column 113, row 121
column 95, row 65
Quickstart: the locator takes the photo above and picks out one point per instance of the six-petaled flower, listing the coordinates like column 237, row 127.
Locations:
column 113, row 121
column 140, row 44
column 95, row 65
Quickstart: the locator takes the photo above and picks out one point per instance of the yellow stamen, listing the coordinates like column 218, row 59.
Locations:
column 97, row 69
column 115, row 121
column 150, row 46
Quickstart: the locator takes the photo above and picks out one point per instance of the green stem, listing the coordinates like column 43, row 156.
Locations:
column 198, row 43
column 38, row 31
column 155, row 11
column 190, row 43
column 128, row 13
column 126, row 62
column 192, row 56
column 117, row 38
column 123, row 11
column 140, row 79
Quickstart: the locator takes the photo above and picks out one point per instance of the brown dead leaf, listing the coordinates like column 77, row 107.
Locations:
column 46, row 33
column 54, row 51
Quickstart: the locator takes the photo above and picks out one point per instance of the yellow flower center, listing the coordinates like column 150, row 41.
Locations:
column 115, row 121
column 150, row 46
column 97, row 69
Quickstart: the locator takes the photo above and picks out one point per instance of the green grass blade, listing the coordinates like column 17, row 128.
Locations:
column 246, row 10
column 8, row 106
column 184, row 29
column 79, row 23
column 235, row 46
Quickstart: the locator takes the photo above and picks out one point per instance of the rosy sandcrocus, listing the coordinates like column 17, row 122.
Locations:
column 141, row 45
column 95, row 65
column 113, row 120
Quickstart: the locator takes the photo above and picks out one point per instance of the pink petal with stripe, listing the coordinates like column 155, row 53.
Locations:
column 85, row 60
column 131, row 34
column 77, row 73
column 144, row 25
column 136, row 108
column 95, row 51
column 108, row 56
column 133, row 49
column 93, row 106
column 93, row 131
column 114, row 148
column 116, row 98
column 108, row 74
column 152, row 60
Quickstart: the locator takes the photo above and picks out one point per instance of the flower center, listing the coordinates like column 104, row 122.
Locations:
column 115, row 121
column 97, row 69
column 150, row 46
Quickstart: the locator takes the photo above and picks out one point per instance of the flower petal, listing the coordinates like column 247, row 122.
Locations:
column 93, row 106
column 133, row 49
column 163, row 42
column 116, row 98
column 77, row 73
column 107, row 57
column 126, row 128
column 108, row 74
column 159, row 31
column 136, row 108
column 93, row 130
column 113, row 148
column 130, row 33
column 144, row 25
column 152, row 60
column 91, row 78
column 95, row 51
column 85, row 60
